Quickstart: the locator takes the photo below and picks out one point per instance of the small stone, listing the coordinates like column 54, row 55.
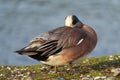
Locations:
column 8, row 68
column 88, row 75
column 118, row 56
column 85, row 78
column 30, row 78
column 97, row 78
column 2, row 66
column 116, row 71
column 28, row 73
column 51, row 72
column 100, row 78
column 103, row 77
column 34, row 71
column 43, row 68
column 81, row 76
column 68, row 69
column 111, row 58
column 1, row 75
column 111, row 78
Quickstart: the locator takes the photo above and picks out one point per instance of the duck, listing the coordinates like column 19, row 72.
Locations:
column 63, row 45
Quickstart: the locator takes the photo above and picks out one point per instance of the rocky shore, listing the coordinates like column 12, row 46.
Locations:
column 103, row 68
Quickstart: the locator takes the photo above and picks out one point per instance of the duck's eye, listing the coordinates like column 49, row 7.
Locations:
column 74, row 22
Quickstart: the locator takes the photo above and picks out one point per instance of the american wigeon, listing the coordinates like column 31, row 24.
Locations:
column 62, row 45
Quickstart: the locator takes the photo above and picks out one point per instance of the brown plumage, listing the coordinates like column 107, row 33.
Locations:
column 63, row 45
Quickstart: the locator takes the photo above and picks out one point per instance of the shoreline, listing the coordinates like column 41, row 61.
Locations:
column 103, row 68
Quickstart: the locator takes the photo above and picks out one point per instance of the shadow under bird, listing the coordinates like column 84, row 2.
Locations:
column 63, row 45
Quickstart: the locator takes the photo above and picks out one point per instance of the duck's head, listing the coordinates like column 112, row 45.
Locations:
column 72, row 20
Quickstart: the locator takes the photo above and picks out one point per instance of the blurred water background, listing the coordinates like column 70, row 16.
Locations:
column 22, row 20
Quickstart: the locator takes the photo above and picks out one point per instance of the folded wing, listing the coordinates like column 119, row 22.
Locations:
column 52, row 43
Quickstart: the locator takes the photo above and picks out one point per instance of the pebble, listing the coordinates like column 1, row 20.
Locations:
column 111, row 78
column 116, row 71
column 100, row 77
column 2, row 75
column 30, row 78
column 97, row 77
column 85, row 78
column 8, row 68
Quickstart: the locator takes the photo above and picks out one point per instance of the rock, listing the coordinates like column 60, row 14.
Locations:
column 100, row 78
column 111, row 78
column 97, row 78
column 116, row 71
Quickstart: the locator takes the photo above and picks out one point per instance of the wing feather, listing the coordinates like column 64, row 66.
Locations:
column 53, row 42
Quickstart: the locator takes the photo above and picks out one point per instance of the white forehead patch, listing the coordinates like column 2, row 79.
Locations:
column 80, row 41
column 68, row 21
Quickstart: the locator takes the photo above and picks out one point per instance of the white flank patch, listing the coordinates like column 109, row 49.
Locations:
column 80, row 41
column 54, row 60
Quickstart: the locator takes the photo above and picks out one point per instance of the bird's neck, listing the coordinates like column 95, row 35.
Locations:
column 91, row 35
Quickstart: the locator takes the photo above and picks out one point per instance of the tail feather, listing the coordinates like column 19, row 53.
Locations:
column 19, row 51
column 22, row 52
